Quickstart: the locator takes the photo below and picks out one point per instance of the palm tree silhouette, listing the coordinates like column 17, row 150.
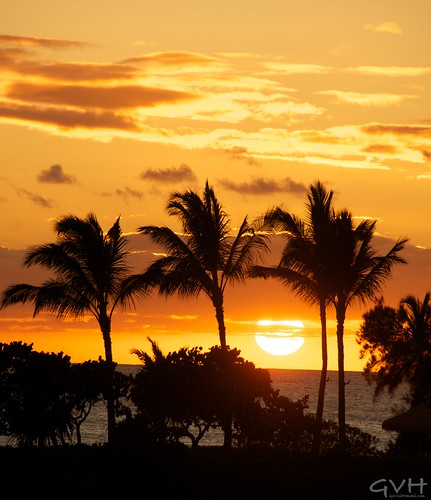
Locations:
column 90, row 275
column 206, row 257
column 357, row 274
column 304, row 268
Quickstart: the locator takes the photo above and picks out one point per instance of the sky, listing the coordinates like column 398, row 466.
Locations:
column 108, row 107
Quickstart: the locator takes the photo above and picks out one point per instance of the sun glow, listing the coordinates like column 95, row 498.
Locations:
column 280, row 341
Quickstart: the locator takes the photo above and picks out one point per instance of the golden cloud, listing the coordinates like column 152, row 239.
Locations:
column 398, row 130
column 385, row 149
column 118, row 97
column 384, row 27
column 66, row 118
column 42, row 42
column 367, row 99
column 172, row 58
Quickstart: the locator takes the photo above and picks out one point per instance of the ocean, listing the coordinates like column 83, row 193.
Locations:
column 362, row 410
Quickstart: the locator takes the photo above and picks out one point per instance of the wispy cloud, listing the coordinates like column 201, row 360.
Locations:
column 261, row 186
column 129, row 193
column 55, row 175
column 51, row 43
column 385, row 27
column 178, row 58
column 118, row 97
column 170, row 174
column 242, row 105
column 364, row 99
column 36, row 198
column 398, row 130
column 66, row 118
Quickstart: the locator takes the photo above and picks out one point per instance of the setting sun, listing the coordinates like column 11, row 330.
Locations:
column 279, row 338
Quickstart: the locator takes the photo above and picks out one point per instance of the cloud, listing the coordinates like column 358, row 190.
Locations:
column 295, row 69
column 67, row 118
column 367, row 99
column 385, row 149
column 118, row 97
column 55, row 175
column 384, row 27
column 172, row 58
column 129, row 193
column 51, row 43
column 400, row 130
column 172, row 174
column 241, row 153
column 390, row 71
column 261, row 186
column 36, row 198
column 64, row 71
column 277, row 68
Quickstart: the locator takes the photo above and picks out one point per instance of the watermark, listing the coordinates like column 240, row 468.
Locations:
column 403, row 488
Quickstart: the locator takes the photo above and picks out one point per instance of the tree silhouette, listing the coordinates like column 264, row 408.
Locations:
column 397, row 345
column 327, row 259
column 206, row 257
column 358, row 274
column 187, row 392
column 90, row 275
column 304, row 267
column 34, row 405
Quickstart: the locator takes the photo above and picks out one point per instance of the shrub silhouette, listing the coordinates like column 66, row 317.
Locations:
column 44, row 398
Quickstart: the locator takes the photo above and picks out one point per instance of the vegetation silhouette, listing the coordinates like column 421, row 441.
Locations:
column 302, row 268
column 44, row 398
column 184, row 394
column 205, row 257
column 397, row 346
column 328, row 260
column 90, row 275
column 187, row 392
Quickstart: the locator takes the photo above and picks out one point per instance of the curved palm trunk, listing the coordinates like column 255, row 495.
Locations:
column 341, row 315
column 105, row 325
column 322, row 386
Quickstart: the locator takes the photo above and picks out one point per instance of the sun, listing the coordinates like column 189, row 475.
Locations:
column 280, row 338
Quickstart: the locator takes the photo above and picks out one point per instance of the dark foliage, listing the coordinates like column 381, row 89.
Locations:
column 44, row 398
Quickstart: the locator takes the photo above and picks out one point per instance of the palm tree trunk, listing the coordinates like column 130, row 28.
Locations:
column 322, row 386
column 227, row 417
column 341, row 380
column 219, row 310
column 110, row 403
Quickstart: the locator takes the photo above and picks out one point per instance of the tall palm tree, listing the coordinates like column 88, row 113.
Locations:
column 358, row 273
column 90, row 275
column 206, row 257
column 303, row 268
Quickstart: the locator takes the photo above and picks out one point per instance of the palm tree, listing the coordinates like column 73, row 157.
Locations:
column 357, row 274
column 303, row 268
column 90, row 275
column 206, row 257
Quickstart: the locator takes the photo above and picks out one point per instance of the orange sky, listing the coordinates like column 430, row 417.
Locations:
column 110, row 106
